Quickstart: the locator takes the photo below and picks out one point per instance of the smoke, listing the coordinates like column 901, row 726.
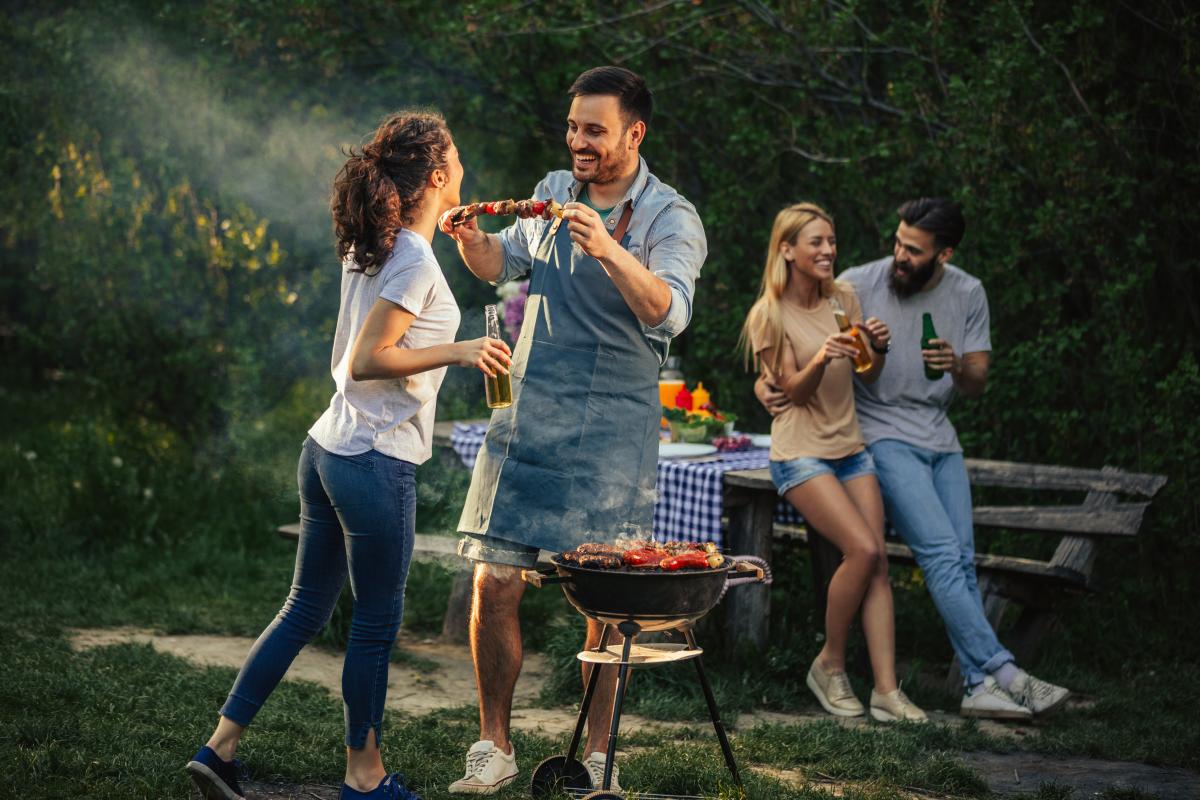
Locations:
column 280, row 162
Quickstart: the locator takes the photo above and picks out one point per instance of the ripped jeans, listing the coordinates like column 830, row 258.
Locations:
column 357, row 518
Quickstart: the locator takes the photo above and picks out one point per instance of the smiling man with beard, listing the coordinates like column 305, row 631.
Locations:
column 575, row 457
column 915, row 447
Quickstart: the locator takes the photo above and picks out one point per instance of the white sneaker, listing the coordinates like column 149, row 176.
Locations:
column 595, row 766
column 992, row 703
column 1039, row 696
column 895, row 707
column 489, row 769
column 834, row 692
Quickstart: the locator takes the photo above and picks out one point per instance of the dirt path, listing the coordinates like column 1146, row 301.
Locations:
column 440, row 676
column 447, row 682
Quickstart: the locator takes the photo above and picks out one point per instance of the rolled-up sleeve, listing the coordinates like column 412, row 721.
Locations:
column 676, row 252
column 517, row 242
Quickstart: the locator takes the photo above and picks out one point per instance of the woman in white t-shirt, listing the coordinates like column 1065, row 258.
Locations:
column 393, row 343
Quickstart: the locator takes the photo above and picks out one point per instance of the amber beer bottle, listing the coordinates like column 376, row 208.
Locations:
column 862, row 359
column 498, row 389
column 927, row 335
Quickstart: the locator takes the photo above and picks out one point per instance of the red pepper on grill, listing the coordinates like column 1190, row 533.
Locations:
column 645, row 557
column 539, row 207
column 692, row 559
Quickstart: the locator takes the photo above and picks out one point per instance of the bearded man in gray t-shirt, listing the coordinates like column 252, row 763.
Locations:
column 916, row 451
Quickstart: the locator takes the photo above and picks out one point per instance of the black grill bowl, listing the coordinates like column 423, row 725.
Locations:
column 656, row 600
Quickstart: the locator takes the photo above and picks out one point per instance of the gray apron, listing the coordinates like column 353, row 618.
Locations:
column 575, row 457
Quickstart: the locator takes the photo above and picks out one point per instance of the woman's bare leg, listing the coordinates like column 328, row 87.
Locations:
column 827, row 506
column 224, row 740
column 878, row 613
column 364, row 765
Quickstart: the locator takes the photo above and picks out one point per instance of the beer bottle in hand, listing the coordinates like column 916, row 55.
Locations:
column 498, row 389
column 862, row 359
column 928, row 334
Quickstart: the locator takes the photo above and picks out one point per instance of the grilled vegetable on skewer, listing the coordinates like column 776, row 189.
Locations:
column 522, row 208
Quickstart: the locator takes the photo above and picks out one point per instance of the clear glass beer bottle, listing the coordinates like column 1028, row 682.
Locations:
column 862, row 359
column 498, row 389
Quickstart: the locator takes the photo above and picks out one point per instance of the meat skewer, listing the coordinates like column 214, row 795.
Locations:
column 645, row 555
column 524, row 209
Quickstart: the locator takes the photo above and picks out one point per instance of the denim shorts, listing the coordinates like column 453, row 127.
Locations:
column 492, row 550
column 790, row 474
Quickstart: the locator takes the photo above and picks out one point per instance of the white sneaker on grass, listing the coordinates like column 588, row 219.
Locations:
column 489, row 769
column 833, row 691
column 992, row 702
column 1039, row 696
column 895, row 707
column 595, row 766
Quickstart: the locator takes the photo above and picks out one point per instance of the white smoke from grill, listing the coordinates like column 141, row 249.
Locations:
column 282, row 166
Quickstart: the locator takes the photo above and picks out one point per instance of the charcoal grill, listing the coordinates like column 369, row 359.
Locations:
column 635, row 602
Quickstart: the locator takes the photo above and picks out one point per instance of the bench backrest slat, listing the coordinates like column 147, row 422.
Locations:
column 1122, row 519
column 1013, row 475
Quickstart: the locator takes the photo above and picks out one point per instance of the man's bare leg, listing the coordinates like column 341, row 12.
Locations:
column 600, row 712
column 496, row 647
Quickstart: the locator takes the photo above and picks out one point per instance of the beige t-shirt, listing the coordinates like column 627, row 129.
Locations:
column 825, row 426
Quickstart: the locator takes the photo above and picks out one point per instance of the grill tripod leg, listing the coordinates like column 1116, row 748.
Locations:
column 628, row 630
column 718, row 726
column 588, row 693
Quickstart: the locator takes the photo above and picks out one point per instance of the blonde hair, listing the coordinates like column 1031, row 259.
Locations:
column 766, row 311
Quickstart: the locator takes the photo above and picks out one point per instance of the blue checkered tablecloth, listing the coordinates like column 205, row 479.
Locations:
column 690, row 492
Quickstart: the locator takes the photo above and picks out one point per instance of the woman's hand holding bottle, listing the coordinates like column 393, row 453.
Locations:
column 837, row 345
column 490, row 356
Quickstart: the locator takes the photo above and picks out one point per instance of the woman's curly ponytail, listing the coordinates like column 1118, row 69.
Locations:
column 379, row 189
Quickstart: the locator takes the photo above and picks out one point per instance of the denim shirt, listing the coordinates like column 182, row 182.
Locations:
column 665, row 234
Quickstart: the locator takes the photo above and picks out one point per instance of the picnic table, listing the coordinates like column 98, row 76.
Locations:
column 691, row 491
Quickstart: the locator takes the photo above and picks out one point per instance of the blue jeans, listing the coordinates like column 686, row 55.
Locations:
column 928, row 501
column 357, row 517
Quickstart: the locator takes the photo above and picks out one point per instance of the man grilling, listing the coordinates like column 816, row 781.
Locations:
column 574, row 458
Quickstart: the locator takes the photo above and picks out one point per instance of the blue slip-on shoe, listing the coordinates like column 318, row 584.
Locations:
column 216, row 779
column 390, row 788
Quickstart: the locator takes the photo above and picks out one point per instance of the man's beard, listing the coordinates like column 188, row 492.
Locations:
column 607, row 170
column 916, row 280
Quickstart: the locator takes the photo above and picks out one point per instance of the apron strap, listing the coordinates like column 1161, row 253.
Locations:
column 619, row 231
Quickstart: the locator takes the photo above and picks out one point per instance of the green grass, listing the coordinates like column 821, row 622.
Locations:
column 184, row 543
column 120, row 721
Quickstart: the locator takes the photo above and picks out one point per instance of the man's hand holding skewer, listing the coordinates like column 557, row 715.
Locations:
column 587, row 230
column 466, row 232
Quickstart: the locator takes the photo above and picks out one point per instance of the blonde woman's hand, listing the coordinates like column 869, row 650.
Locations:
column 490, row 356
column 838, row 345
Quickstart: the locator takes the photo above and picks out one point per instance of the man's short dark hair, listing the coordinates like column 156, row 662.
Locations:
column 941, row 217
column 628, row 87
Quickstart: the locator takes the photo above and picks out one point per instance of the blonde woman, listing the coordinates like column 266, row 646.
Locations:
column 819, row 461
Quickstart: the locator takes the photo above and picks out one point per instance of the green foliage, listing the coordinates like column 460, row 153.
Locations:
column 170, row 290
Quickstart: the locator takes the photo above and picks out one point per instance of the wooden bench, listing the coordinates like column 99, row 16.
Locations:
column 1037, row 586
column 438, row 549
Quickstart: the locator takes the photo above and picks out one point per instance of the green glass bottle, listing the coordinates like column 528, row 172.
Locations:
column 928, row 334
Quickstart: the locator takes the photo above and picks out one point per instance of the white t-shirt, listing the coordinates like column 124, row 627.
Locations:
column 393, row 416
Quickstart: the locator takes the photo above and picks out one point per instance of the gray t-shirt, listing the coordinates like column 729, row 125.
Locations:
column 903, row 404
